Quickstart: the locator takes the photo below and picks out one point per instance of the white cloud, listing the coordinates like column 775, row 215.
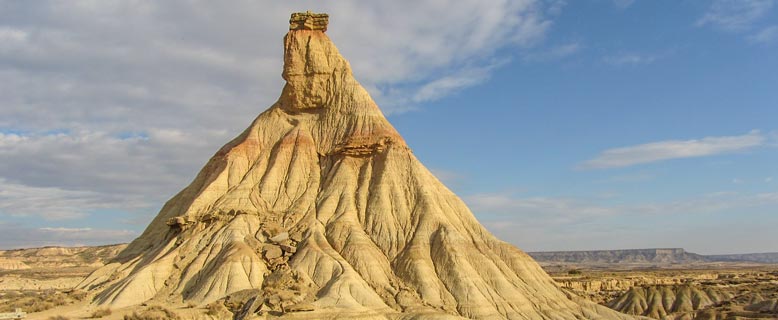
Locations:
column 764, row 36
column 15, row 236
column 58, row 204
column 630, row 59
column 537, row 210
column 565, row 50
column 555, row 7
column 735, row 15
column 549, row 223
column 446, row 85
column 553, row 53
column 150, row 164
column 10, row 34
column 127, row 99
column 70, row 175
column 673, row 149
column 629, row 178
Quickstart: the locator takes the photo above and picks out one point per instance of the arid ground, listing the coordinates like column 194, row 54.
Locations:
column 41, row 281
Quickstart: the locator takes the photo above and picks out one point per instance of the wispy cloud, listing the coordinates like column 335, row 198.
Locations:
column 461, row 79
column 59, row 204
column 540, row 209
column 112, row 80
column 15, row 236
column 623, row 59
column 673, row 149
column 561, row 223
column 156, row 162
column 553, row 53
column 764, row 36
column 629, row 178
column 735, row 15
column 560, row 210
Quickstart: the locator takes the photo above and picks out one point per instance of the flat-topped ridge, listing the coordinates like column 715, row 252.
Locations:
column 663, row 255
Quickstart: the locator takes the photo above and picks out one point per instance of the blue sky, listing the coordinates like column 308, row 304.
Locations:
column 564, row 125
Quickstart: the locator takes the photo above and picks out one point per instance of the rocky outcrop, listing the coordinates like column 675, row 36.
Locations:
column 660, row 301
column 603, row 288
column 769, row 306
column 309, row 21
column 755, row 298
column 320, row 207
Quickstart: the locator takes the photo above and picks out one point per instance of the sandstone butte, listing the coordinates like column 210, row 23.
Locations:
column 320, row 210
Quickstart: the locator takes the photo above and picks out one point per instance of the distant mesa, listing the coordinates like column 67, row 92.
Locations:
column 656, row 256
column 58, row 257
column 766, row 257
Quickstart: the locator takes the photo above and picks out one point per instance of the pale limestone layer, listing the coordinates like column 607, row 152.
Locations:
column 364, row 228
column 12, row 264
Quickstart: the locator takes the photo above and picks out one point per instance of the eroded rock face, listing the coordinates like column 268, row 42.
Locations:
column 754, row 300
column 361, row 225
column 12, row 264
column 660, row 301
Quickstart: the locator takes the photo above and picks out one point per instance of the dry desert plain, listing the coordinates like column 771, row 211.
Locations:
column 41, row 281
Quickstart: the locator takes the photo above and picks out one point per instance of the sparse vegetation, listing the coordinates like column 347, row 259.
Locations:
column 78, row 295
column 574, row 272
column 153, row 313
column 216, row 309
column 59, row 318
column 99, row 313
column 37, row 301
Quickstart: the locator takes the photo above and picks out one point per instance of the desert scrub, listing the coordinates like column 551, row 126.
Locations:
column 216, row 309
column 153, row 313
column 36, row 302
column 99, row 313
column 78, row 295
column 58, row 318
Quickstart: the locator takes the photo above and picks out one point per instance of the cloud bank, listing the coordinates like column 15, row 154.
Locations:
column 115, row 105
column 673, row 149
